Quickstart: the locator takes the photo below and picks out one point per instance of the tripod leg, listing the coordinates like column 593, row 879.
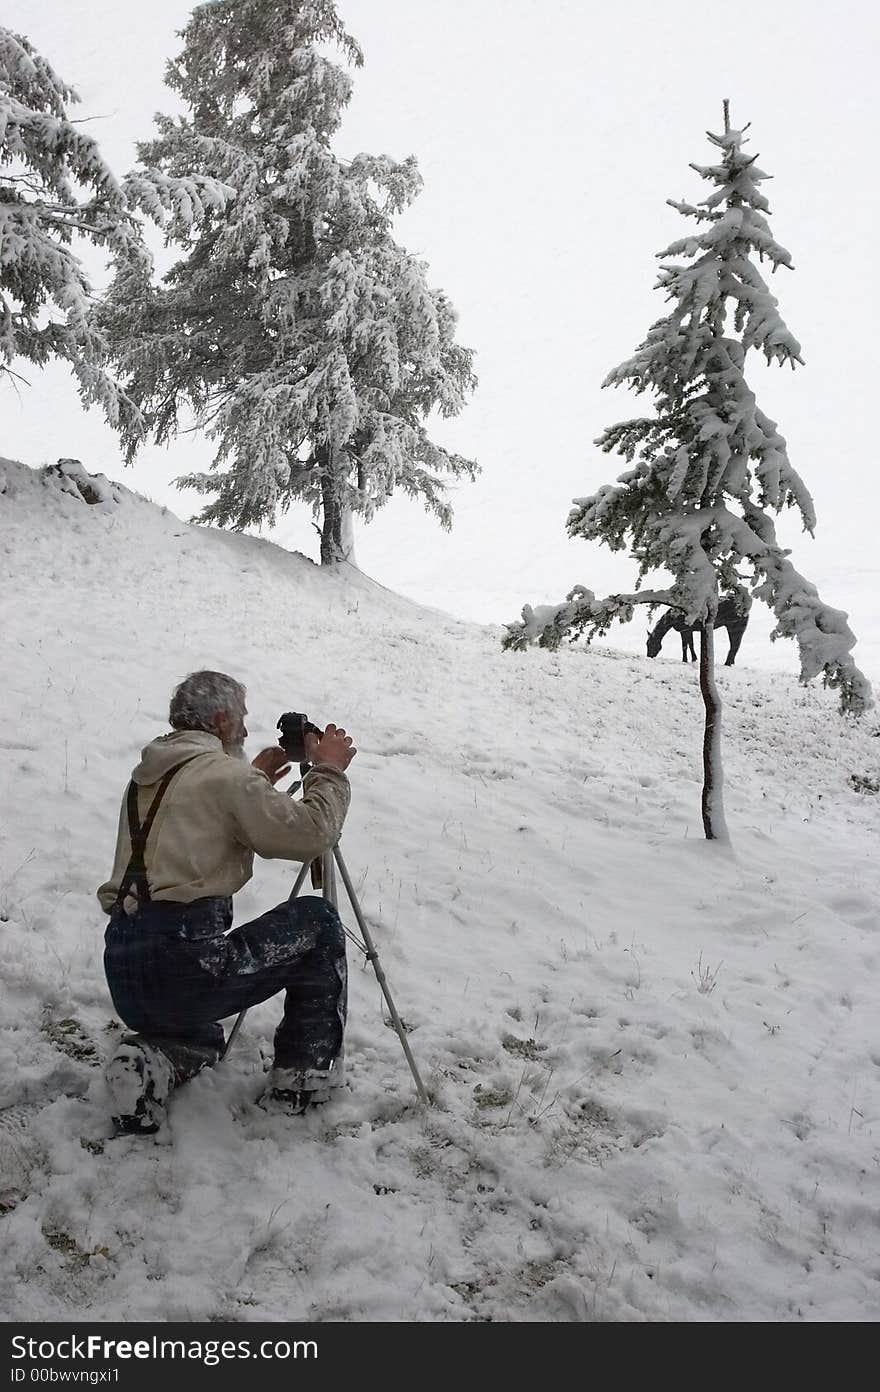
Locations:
column 329, row 877
column 299, row 882
column 232, row 1033
column 240, row 1020
column 373, row 956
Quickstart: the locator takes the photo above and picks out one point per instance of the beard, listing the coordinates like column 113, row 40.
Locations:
column 235, row 751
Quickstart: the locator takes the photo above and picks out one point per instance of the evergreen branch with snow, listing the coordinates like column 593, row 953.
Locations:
column 582, row 615
column 55, row 187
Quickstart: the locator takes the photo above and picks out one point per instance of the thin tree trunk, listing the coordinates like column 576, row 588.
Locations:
column 337, row 531
column 714, row 824
column 331, row 524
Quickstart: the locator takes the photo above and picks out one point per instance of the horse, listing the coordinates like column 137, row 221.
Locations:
column 728, row 616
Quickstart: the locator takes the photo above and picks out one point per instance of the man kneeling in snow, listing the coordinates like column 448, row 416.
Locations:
column 193, row 816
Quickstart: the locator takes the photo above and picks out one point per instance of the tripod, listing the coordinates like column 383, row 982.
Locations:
column 324, row 877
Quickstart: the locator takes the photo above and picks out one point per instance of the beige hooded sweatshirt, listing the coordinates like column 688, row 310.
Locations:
column 217, row 811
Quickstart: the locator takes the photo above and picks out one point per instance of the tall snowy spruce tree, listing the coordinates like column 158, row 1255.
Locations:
column 710, row 466
column 54, row 189
column 299, row 335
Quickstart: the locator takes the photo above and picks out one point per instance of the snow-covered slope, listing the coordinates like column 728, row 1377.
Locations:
column 654, row 1063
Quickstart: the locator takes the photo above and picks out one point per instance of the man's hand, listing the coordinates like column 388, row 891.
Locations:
column 273, row 762
column 333, row 747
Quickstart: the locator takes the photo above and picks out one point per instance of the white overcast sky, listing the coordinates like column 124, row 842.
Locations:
column 549, row 136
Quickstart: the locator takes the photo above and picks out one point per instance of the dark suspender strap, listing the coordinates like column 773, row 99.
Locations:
column 135, row 876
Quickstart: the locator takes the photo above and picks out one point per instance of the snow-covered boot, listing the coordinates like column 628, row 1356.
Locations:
column 139, row 1079
column 290, row 1102
column 295, row 1090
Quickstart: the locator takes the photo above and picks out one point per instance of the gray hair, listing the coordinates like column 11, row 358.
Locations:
column 201, row 696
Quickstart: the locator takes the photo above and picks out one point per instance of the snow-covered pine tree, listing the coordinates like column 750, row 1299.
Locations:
column 300, row 336
column 710, row 466
column 54, row 189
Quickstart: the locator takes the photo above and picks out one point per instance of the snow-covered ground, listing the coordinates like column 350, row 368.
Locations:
column 654, row 1063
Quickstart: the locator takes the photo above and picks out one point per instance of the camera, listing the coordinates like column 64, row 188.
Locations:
column 294, row 726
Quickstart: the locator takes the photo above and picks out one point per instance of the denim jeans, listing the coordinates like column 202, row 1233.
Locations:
column 174, row 971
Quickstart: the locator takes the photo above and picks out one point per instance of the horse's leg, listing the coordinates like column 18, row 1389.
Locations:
column 690, row 642
column 736, row 636
column 684, row 644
